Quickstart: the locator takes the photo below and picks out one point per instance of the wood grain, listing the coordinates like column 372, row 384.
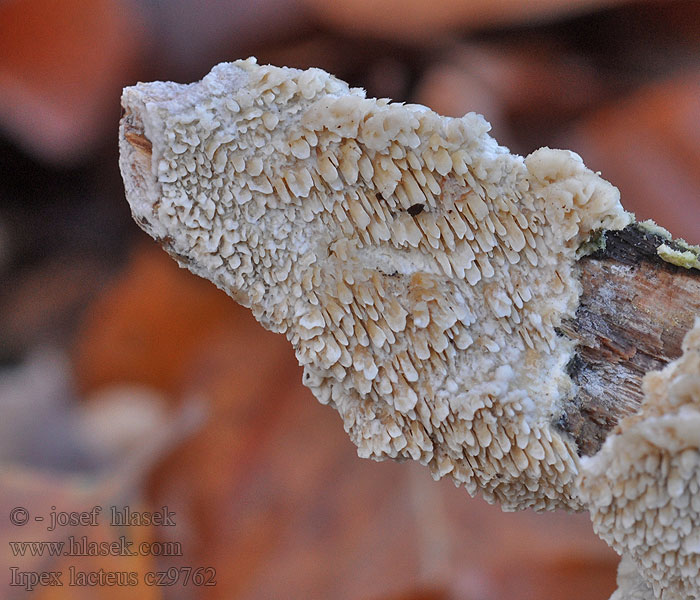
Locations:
column 633, row 314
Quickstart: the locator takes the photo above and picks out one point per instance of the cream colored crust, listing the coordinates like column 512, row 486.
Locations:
column 630, row 584
column 643, row 487
column 417, row 267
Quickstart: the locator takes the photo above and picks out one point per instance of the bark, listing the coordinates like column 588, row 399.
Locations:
column 633, row 314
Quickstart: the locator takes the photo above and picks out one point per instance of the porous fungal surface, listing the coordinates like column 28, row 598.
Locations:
column 643, row 487
column 417, row 267
column 630, row 584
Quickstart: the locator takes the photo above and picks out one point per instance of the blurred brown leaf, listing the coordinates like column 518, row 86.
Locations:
column 150, row 324
column 62, row 64
column 423, row 20
column 648, row 145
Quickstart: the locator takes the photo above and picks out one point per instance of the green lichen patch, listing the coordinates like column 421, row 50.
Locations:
column 689, row 259
column 595, row 243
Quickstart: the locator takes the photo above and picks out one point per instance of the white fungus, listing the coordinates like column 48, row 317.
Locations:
column 417, row 267
column 643, row 487
column 630, row 584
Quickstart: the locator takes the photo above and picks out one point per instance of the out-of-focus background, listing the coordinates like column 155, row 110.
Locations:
column 125, row 381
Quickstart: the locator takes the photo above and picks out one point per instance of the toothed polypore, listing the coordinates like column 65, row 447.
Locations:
column 417, row 267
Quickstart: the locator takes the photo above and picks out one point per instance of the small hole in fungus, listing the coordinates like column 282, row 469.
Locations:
column 415, row 209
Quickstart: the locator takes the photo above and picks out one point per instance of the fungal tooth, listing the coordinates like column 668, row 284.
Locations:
column 443, row 161
column 343, row 293
column 238, row 163
column 358, row 214
column 402, row 197
column 433, row 185
column 444, row 262
column 331, row 353
column 302, row 183
column 472, row 274
column 513, row 257
column 433, row 243
column 386, row 175
column 397, row 152
column 281, row 188
column 413, row 233
column 526, row 338
column 525, row 293
column 420, row 178
column 360, row 334
column 428, row 330
column 300, row 148
column 339, row 213
column 348, row 162
column 430, row 227
column 376, row 334
column 413, row 190
column 364, row 295
column 485, row 266
column 459, row 162
column 457, row 223
column 421, row 348
column 405, row 399
column 398, row 233
column 531, row 256
column 499, row 228
column 460, row 263
column 372, row 313
column 521, row 219
column 366, row 168
column 311, row 137
column 335, row 312
column 407, row 368
column 395, row 316
column 477, row 206
column 327, row 169
column 446, row 234
column 380, row 231
column 421, row 315
column 413, row 160
column 312, row 319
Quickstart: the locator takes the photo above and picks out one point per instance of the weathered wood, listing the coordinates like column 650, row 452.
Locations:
column 634, row 311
